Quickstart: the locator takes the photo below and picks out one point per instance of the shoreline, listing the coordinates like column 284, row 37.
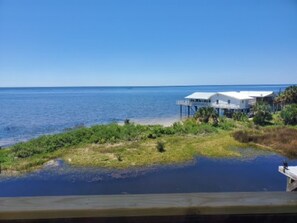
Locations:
column 166, row 122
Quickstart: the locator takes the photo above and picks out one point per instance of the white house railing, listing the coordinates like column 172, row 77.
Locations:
column 225, row 106
column 184, row 102
column 192, row 103
column 214, row 105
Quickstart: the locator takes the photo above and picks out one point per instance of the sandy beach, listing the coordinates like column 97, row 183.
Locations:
column 157, row 121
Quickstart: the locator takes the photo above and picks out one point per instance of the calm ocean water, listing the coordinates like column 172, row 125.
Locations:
column 26, row 113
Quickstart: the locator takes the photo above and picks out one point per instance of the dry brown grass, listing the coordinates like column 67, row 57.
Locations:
column 280, row 139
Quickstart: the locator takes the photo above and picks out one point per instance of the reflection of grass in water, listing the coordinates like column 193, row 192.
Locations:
column 251, row 153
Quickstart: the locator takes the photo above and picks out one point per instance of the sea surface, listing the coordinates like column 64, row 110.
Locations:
column 26, row 113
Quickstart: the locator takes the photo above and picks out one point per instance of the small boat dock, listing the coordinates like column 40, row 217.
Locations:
column 291, row 173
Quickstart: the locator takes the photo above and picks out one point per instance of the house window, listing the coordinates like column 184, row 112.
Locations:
column 228, row 101
column 242, row 101
column 217, row 101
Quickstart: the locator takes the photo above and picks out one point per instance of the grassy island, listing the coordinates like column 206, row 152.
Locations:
column 122, row 146
column 133, row 145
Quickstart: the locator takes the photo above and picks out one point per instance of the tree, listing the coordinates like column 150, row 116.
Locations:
column 262, row 113
column 206, row 115
column 239, row 116
column 289, row 96
column 289, row 114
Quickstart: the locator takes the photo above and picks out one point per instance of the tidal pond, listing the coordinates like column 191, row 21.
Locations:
column 259, row 173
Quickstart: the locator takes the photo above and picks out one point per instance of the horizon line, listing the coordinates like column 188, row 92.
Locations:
column 114, row 86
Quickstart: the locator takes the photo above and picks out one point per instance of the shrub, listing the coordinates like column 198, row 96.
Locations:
column 160, row 147
column 127, row 121
column 151, row 136
column 277, row 119
column 289, row 96
column 206, row 115
column 119, row 157
column 262, row 114
column 289, row 114
column 226, row 123
column 240, row 116
column 246, row 136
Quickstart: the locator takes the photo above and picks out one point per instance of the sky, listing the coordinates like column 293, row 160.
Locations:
column 147, row 42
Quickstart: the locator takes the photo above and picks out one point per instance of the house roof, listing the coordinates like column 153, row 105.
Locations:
column 258, row 94
column 201, row 95
column 240, row 95
column 237, row 95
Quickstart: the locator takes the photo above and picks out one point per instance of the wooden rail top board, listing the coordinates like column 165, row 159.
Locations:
column 291, row 171
column 149, row 205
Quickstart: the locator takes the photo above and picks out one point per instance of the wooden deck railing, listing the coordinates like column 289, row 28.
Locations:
column 192, row 207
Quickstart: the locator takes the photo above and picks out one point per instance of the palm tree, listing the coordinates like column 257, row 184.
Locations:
column 289, row 96
column 206, row 114
column 262, row 113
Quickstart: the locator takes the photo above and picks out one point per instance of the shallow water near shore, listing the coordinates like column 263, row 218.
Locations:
column 201, row 175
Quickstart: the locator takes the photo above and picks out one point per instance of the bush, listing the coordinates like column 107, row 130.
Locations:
column 240, row 116
column 127, row 121
column 289, row 96
column 262, row 114
column 262, row 118
column 246, row 136
column 289, row 114
column 226, row 123
column 160, row 147
column 206, row 115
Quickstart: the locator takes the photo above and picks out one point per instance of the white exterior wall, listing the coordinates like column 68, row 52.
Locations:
column 223, row 102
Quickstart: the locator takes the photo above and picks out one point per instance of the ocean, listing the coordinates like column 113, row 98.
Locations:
column 26, row 113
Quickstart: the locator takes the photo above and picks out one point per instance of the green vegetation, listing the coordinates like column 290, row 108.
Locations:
column 289, row 96
column 122, row 146
column 240, row 116
column 160, row 147
column 262, row 113
column 289, row 114
column 207, row 115
column 178, row 149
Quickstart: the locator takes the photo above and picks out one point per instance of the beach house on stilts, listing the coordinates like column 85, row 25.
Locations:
column 224, row 102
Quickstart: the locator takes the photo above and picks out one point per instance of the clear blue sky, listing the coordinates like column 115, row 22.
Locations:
column 147, row 42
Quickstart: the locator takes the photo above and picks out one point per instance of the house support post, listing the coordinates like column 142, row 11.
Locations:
column 181, row 111
column 188, row 111
column 291, row 184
